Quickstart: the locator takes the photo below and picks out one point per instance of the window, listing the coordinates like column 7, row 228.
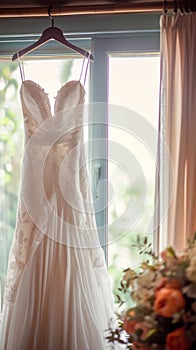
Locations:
column 117, row 42
column 132, row 148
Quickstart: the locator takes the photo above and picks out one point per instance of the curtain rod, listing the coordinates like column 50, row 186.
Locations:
column 117, row 8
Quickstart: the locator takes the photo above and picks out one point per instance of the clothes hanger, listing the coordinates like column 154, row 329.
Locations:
column 48, row 34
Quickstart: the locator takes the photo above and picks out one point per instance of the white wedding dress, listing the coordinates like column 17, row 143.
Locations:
column 57, row 293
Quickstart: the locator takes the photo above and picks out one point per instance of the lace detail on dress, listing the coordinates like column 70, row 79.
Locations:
column 25, row 238
column 35, row 102
column 69, row 96
column 30, row 128
column 64, row 146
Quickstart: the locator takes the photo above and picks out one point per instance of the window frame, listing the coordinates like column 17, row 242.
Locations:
column 143, row 42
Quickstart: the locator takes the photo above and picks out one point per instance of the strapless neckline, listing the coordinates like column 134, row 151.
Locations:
column 43, row 89
column 45, row 95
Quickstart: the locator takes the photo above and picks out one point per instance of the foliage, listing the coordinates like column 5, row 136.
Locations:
column 164, row 297
column 10, row 157
column 9, row 123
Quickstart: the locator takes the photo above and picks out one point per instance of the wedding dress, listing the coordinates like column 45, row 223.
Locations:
column 57, row 293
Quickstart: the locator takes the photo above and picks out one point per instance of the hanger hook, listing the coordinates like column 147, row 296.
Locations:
column 50, row 16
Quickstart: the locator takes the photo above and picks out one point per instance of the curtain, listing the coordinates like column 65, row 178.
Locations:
column 176, row 163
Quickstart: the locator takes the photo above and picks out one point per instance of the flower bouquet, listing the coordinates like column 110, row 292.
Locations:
column 163, row 293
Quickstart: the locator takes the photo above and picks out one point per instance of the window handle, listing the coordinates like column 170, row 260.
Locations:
column 97, row 170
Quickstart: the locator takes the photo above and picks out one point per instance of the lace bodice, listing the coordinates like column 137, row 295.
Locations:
column 37, row 109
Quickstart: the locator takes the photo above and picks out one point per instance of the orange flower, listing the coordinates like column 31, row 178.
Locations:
column 177, row 340
column 129, row 322
column 168, row 301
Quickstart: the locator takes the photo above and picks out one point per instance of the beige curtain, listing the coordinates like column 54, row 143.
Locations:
column 176, row 176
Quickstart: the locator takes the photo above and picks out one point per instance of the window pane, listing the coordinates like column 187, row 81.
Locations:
column 51, row 75
column 133, row 122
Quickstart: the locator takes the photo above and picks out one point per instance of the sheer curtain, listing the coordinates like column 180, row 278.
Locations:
column 176, row 166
